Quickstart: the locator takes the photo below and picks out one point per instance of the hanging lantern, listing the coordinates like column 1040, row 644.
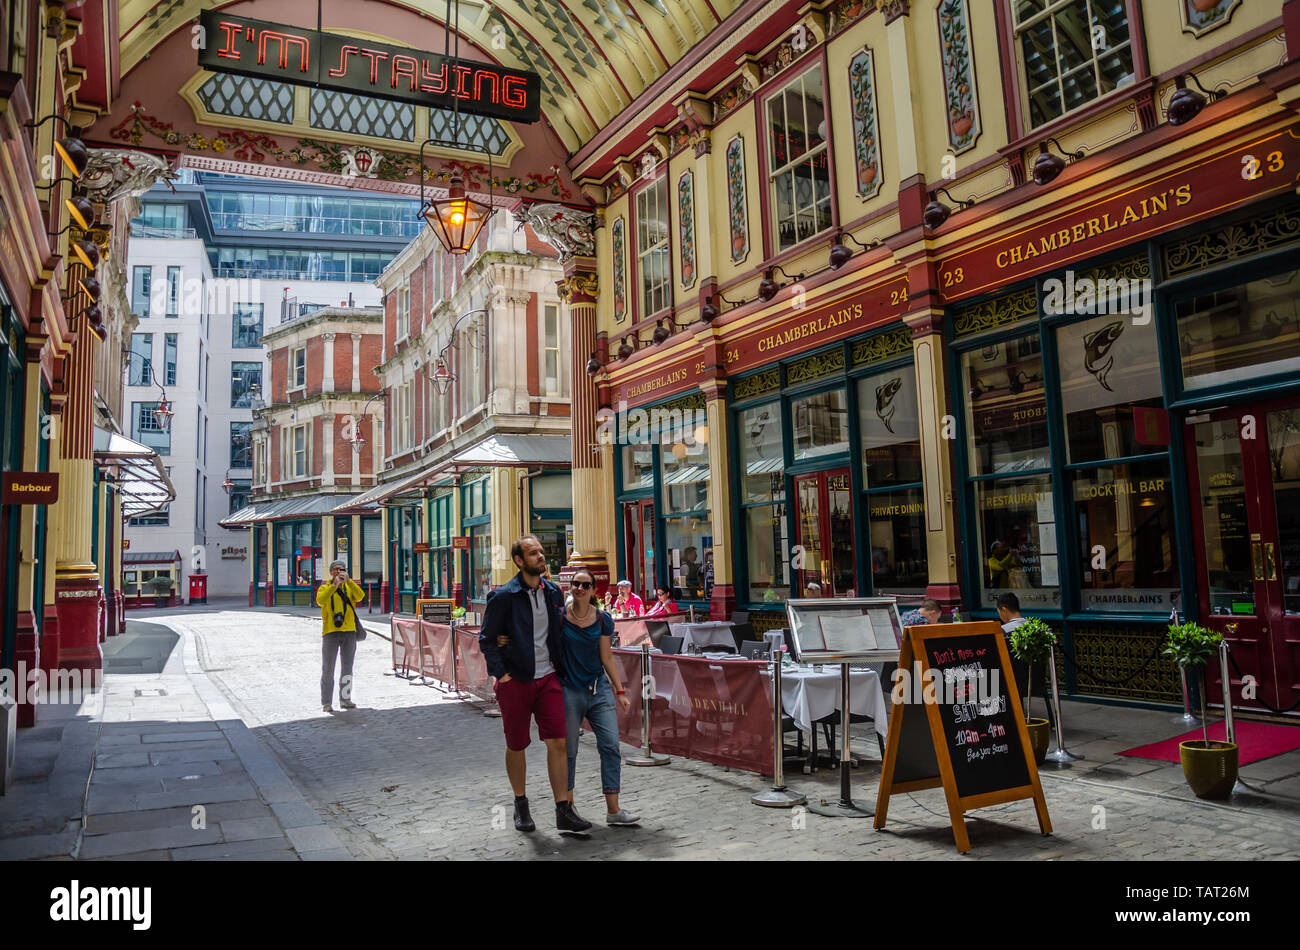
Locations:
column 162, row 416
column 442, row 377
column 358, row 443
column 227, row 486
column 458, row 218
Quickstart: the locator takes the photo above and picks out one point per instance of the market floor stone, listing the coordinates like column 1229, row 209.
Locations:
column 414, row 773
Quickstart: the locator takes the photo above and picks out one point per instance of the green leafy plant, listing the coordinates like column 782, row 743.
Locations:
column 1190, row 646
column 458, row 612
column 161, row 585
column 1031, row 642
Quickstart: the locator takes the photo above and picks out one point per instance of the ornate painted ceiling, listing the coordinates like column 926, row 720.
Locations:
column 594, row 56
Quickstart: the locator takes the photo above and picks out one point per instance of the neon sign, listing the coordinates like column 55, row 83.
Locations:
column 264, row 50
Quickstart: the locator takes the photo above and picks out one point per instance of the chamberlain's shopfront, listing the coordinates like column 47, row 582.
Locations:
column 1130, row 445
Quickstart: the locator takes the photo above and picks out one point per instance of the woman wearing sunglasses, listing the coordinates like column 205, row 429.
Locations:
column 589, row 672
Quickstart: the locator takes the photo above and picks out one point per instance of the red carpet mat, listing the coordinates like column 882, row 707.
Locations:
column 1255, row 741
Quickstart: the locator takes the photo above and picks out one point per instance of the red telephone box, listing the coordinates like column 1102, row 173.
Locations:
column 198, row 588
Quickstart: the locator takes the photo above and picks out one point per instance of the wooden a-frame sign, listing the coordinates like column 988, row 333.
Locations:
column 960, row 749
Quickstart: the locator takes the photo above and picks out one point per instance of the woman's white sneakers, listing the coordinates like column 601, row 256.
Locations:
column 622, row 817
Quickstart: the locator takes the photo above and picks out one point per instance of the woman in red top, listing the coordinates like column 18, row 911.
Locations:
column 663, row 604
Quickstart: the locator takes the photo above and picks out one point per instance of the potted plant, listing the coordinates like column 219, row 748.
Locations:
column 1030, row 642
column 161, row 585
column 1210, row 767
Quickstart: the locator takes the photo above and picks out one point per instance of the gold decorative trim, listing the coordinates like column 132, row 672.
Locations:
column 759, row 384
column 998, row 312
column 1236, row 241
column 815, row 367
column 1116, row 652
column 882, row 346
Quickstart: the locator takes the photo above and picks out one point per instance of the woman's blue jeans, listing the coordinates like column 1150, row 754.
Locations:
column 598, row 709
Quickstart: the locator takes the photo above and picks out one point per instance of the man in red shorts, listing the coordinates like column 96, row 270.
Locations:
column 521, row 642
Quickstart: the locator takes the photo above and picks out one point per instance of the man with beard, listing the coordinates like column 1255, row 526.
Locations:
column 521, row 642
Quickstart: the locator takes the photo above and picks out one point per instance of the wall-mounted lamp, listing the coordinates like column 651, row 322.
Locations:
column 87, row 253
column 840, row 254
column 936, row 212
column 1186, row 104
column 594, row 365
column 1048, row 166
column 767, row 287
column 70, row 149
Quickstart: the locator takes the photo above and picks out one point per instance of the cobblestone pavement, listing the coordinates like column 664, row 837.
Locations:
column 413, row 774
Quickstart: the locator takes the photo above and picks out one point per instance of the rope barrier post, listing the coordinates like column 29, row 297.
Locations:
column 778, row 796
column 647, row 756
column 1061, row 756
column 1186, row 718
column 370, row 599
column 1230, row 731
column 455, row 677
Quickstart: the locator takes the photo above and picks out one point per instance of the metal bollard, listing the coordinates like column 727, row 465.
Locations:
column 647, row 756
column 1061, row 756
column 1186, row 718
column 778, row 796
column 455, row 677
column 370, row 599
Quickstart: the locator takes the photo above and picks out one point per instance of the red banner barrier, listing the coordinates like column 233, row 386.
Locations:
column 714, row 711
column 471, row 667
column 406, row 645
column 435, row 652
column 631, row 631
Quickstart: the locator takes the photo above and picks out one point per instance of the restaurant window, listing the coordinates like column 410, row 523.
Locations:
column 173, row 291
column 638, row 466
column 551, row 350
column 1127, row 551
column 169, row 359
column 1016, row 541
column 798, row 161
column 762, row 499
column 298, row 561
column 440, row 534
column 688, row 530
column 1071, row 52
column 141, row 289
column 298, row 367
column 243, row 376
column 893, row 499
column 1240, row 333
column 552, row 516
column 141, row 363
column 246, row 326
column 241, row 445
column 652, row 246
column 410, row 531
column 821, row 424
column 1006, row 415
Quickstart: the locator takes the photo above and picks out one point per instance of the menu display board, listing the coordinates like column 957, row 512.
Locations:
column 958, row 682
column 434, row 609
column 842, row 630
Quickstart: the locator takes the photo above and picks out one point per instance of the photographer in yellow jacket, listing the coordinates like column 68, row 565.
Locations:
column 340, row 629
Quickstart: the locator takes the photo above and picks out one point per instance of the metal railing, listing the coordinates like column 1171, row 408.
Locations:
column 149, row 231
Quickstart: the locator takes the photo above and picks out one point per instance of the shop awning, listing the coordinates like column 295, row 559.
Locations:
column 518, row 451
column 371, row 499
column 141, row 478
column 151, row 557
column 305, row 506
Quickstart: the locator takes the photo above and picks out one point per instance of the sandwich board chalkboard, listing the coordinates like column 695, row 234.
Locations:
column 434, row 609
column 960, row 726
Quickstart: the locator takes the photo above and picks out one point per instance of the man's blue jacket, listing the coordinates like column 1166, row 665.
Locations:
column 509, row 611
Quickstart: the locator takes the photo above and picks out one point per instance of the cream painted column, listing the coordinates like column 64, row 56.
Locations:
column 327, row 549
column 937, row 458
column 591, row 487
column 909, row 134
column 327, row 374
column 327, row 450
column 506, row 516
column 356, row 362
column 723, row 599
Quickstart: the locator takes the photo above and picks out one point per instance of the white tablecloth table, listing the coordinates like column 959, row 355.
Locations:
column 704, row 635
column 807, row 696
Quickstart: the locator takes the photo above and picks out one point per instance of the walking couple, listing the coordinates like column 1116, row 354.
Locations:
column 553, row 663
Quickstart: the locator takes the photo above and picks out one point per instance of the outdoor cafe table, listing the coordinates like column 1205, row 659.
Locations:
column 807, row 696
column 712, row 633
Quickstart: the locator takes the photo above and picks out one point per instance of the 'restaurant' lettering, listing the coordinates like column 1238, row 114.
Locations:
column 1075, row 234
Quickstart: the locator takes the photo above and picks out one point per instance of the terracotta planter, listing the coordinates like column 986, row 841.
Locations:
column 1204, row 6
column 1212, row 772
column 738, row 244
column 1040, row 736
column 961, row 126
column 866, row 176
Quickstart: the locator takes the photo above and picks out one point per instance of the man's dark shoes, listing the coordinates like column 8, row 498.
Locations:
column 523, row 820
column 569, row 821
